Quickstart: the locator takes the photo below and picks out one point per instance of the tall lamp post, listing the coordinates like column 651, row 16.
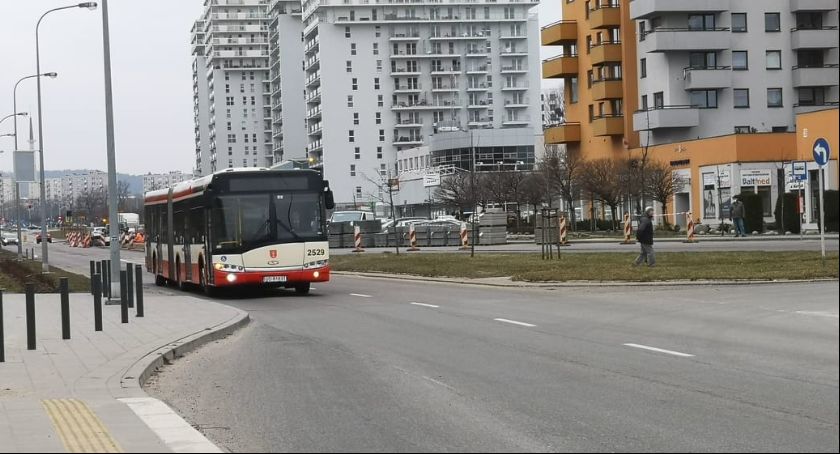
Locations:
column 45, row 265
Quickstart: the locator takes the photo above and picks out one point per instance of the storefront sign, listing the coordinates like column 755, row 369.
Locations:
column 724, row 176
column 755, row 178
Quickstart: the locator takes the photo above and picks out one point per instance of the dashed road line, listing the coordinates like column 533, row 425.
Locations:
column 817, row 314
column 425, row 305
column 660, row 350
column 360, row 295
column 514, row 322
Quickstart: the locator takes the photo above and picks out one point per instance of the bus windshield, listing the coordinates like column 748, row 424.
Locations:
column 245, row 221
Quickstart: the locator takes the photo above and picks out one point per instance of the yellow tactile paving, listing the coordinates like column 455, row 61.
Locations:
column 79, row 428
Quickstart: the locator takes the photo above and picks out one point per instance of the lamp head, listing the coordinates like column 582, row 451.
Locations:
column 89, row 5
column 51, row 75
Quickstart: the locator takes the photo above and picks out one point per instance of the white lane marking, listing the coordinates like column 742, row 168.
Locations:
column 818, row 314
column 440, row 383
column 360, row 295
column 504, row 320
column 654, row 349
column 178, row 434
column 425, row 305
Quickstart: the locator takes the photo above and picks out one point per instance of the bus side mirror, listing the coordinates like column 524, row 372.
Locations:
column 329, row 200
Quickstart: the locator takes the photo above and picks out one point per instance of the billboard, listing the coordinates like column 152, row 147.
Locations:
column 24, row 166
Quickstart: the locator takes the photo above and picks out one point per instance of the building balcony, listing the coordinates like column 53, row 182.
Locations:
column 478, row 105
column 813, row 38
column 423, row 105
column 644, row 9
column 607, row 89
column 514, row 53
column 606, row 53
column 445, row 71
column 479, row 36
column 408, row 141
column 565, row 133
column 824, row 76
column 605, row 17
column 684, row 39
column 408, row 89
column 707, row 78
column 414, row 36
column 522, row 86
column 560, row 67
column 408, row 124
column 482, row 87
column 812, row 5
column 405, row 71
column 805, row 108
column 608, row 126
column 666, row 117
column 477, row 70
column 562, row 32
column 520, row 120
column 514, row 70
column 427, row 54
column 446, row 89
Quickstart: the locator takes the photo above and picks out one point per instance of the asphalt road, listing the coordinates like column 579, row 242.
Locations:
column 367, row 364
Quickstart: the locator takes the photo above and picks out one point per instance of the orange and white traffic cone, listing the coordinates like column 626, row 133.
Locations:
column 689, row 234
column 628, row 230
column 412, row 239
column 357, row 234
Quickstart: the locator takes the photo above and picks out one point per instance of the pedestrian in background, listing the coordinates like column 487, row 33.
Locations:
column 736, row 215
column 644, row 235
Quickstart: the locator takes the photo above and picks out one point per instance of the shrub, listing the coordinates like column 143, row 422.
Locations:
column 790, row 218
column 753, row 212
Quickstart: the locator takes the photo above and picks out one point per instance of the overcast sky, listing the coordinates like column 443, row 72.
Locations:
column 151, row 74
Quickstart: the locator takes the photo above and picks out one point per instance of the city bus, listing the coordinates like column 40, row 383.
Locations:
column 240, row 227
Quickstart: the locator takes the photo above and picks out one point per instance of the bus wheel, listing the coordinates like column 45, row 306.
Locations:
column 178, row 282
column 302, row 289
column 159, row 280
column 202, row 279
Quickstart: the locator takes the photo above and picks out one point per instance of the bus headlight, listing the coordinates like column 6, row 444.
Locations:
column 231, row 277
column 218, row 266
column 316, row 274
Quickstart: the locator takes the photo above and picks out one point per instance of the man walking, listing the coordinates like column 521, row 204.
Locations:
column 644, row 235
column 736, row 215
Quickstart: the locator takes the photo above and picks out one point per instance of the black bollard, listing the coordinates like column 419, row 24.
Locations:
column 2, row 335
column 30, row 316
column 123, row 298
column 97, row 302
column 92, row 272
column 64, row 290
column 129, row 283
column 107, row 282
column 138, row 284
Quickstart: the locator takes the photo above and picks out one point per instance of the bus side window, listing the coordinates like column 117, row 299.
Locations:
column 197, row 225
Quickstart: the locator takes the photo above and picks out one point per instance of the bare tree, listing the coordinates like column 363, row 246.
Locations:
column 456, row 191
column 600, row 179
column 94, row 204
column 534, row 190
column 662, row 183
column 123, row 192
column 563, row 170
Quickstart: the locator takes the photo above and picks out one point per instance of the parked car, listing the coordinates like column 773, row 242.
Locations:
column 38, row 238
column 100, row 233
column 8, row 238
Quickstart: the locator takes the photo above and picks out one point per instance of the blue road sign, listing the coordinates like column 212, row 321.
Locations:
column 822, row 152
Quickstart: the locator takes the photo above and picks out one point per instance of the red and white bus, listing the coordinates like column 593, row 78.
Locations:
column 238, row 227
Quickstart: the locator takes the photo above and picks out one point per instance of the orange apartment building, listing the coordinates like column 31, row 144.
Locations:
column 616, row 56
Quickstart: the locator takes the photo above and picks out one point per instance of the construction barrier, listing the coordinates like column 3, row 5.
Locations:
column 357, row 237
column 563, row 241
column 412, row 239
column 465, row 237
column 628, row 230
column 689, row 233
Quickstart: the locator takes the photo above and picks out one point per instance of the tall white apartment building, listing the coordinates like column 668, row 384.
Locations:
column 288, row 106
column 76, row 184
column 153, row 181
column 230, row 48
column 386, row 76
column 716, row 67
column 53, row 189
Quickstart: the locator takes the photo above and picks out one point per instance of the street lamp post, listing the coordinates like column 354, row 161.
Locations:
column 45, row 265
column 51, row 75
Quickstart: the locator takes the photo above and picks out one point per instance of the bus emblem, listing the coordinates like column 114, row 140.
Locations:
column 273, row 253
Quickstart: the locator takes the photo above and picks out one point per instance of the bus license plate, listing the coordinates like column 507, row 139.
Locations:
column 274, row 279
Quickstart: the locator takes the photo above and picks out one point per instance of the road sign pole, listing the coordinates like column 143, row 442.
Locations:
column 822, row 217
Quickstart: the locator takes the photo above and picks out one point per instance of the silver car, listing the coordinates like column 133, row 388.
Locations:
column 8, row 238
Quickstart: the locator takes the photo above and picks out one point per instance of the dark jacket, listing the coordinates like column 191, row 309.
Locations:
column 644, row 234
column 737, row 210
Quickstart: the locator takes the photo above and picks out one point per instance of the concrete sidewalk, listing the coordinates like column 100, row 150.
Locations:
column 84, row 394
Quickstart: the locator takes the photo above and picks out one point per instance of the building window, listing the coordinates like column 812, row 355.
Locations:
column 642, row 31
column 349, row 100
column 375, row 48
column 704, row 99
column 739, row 22
column 702, row 60
column 701, row 22
column 740, row 60
column 772, row 22
column 354, row 84
column 742, row 97
column 346, row 32
column 231, row 138
column 774, row 97
column 351, row 136
column 352, row 170
column 349, row 66
column 379, row 118
column 813, row 96
column 658, row 100
column 355, row 118
column 378, row 152
column 352, row 48
column 774, row 59
column 742, row 129
column 643, row 68
column 380, row 102
column 378, row 29
column 379, row 66
column 644, row 102
column 381, row 135
column 358, row 191
column 376, row 83
column 357, row 153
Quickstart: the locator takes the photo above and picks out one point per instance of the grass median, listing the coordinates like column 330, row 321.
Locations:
column 15, row 275
column 603, row 267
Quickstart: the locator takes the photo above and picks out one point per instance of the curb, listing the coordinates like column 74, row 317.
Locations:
column 133, row 378
column 544, row 285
